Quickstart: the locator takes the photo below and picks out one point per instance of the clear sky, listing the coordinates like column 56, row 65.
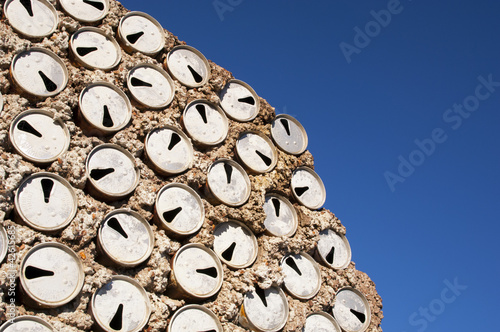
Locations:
column 400, row 100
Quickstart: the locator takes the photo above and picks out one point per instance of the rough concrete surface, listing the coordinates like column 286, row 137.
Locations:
column 153, row 274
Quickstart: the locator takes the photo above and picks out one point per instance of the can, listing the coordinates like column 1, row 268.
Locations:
column 194, row 317
column 302, row 275
column 351, row 310
column 86, row 11
column 264, row 310
column 1, row 103
column 111, row 172
column 239, row 101
column 120, row 305
column 150, row 86
column 140, row 32
column 45, row 202
column 227, row 183
column 333, row 250
column 39, row 72
column 321, row 321
column 307, row 188
column 51, row 275
column 169, row 150
column 281, row 216
column 235, row 244
column 205, row 122
column 196, row 274
column 38, row 137
column 4, row 243
column 32, row 19
column 125, row 238
column 188, row 65
column 179, row 210
column 256, row 152
column 94, row 49
column 26, row 323
column 103, row 109
column 288, row 134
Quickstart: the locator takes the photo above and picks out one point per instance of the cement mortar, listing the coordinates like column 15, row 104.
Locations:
column 153, row 275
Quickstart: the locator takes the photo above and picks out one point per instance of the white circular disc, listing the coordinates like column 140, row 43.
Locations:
column 112, row 170
column 94, row 49
column 126, row 237
column 86, row 10
column 188, row 66
column 105, row 107
column 281, row 217
column 39, row 72
column 51, row 274
column 288, row 134
column 150, row 86
column 334, row 249
column 198, row 270
column 33, row 18
column 38, row 137
column 228, row 182
column 180, row 209
column 169, row 149
column 351, row 310
column 239, row 101
column 121, row 305
column 46, row 202
column 205, row 122
column 308, row 188
column 142, row 33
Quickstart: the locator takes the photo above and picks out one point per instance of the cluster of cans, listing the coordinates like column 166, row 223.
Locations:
column 52, row 274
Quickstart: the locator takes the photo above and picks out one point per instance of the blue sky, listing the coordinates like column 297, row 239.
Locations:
column 372, row 104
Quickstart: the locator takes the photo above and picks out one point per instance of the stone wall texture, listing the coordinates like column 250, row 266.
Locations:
column 153, row 274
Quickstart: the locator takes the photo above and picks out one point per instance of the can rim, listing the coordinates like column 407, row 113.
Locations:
column 348, row 247
column 179, row 132
column 50, row 54
column 1, row 102
column 254, row 241
column 365, row 302
column 117, row 90
column 220, row 272
column 48, row 5
column 65, row 183
column 268, row 141
column 198, row 307
column 102, row 33
column 320, row 182
column 152, row 20
column 163, row 73
column 127, row 154
column 199, row 54
column 327, row 316
column 36, row 319
column 218, row 109
column 48, row 114
column 148, row 229
column 285, row 319
column 295, row 218
column 194, row 194
column 245, row 176
column 316, row 268
column 301, row 128
column 5, row 241
column 141, row 290
column 70, row 252
column 252, row 92
column 104, row 13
